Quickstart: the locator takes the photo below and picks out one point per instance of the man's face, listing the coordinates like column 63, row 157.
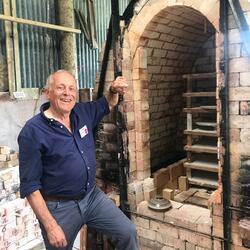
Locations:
column 62, row 93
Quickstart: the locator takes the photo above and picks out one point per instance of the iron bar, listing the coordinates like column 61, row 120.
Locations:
column 225, row 128
column 105, row 62
column 120, row 121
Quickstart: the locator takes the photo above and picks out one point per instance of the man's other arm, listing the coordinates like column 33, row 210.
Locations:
column 55, row 233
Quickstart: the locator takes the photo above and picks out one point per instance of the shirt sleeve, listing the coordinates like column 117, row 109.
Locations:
column 30, row 164
column 97, row 110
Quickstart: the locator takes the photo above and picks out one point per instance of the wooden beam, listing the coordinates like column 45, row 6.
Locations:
column 16, row 49
column 9, row 50
column 39, row 24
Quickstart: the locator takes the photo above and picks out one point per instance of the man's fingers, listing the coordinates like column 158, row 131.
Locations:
column 62, row 243
column 120, row 85
column 57, row 237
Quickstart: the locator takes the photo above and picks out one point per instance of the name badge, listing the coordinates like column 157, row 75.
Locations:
column 83, row 131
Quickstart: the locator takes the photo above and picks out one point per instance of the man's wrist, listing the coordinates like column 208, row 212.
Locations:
column 112, row 91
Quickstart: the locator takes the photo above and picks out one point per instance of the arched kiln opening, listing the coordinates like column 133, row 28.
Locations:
column 178, row 82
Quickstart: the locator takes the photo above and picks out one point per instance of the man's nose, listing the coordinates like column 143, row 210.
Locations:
column 66, row 91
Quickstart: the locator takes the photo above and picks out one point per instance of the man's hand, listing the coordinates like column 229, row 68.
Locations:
column 54, row 232
column 56, row 236
column 119, row 85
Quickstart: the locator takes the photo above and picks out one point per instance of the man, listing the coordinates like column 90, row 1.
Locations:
column 57, row 167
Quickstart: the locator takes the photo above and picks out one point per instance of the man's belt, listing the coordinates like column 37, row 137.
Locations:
column 63, row 198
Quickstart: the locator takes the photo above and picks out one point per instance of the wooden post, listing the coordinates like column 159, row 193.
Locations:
column 67, row 40
column 16, row 49
column 9, row 49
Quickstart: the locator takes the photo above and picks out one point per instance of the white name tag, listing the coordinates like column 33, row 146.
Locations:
column 83, row 131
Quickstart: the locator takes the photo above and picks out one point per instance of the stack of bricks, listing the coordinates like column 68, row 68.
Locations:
column 8, row 158
column 107, row 169
column 9, row 177
column 139, row 191
column 18, row 224
column 182, row 227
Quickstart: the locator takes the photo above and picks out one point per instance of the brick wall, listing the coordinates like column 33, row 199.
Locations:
column 173, row 43
column 239, row 95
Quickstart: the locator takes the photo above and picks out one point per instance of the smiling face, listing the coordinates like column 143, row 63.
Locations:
column 61, row 92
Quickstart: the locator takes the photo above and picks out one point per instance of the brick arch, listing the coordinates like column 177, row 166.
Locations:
column 208, row 8
column 135, row 36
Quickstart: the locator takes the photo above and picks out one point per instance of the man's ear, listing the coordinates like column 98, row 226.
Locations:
column 47, row 93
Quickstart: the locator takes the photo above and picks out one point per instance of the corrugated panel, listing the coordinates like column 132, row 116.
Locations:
column 123, row 5
column 37, row 46
column 87, row 58
column 2, row 33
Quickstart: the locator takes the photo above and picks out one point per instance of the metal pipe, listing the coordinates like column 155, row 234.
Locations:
column 224, row 96
column 122, row 159
column 104, row 62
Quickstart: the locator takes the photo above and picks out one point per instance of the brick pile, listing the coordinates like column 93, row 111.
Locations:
column 9, row 178
column 18, row 224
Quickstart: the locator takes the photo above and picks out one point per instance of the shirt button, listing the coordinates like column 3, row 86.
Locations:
column 88, row 168
column 51, row 120
column 82, row 152
column 61, row 126
column 88, row 183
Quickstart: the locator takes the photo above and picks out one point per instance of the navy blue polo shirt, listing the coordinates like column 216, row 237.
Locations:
column 56, row 161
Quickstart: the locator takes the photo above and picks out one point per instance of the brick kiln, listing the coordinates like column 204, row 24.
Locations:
column 175, row 116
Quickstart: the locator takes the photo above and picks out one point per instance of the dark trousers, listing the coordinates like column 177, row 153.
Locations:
column 97, row 211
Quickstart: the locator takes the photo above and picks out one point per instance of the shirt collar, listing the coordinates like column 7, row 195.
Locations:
column 46, row 105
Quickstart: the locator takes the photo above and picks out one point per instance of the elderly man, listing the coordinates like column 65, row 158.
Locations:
column 57, row 167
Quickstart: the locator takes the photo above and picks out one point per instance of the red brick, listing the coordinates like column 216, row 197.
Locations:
column 234, row 135
column 146, row 233
column 164, row 229
column 188, row 236
column 245, row 108
column 168, row 194
column 141, row 222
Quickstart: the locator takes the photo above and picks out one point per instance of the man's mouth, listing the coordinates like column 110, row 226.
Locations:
column 66, row 100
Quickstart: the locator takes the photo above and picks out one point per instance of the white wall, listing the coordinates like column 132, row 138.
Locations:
column 13, row 115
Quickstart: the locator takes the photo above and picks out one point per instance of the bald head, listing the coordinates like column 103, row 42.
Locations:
column 52, row 77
